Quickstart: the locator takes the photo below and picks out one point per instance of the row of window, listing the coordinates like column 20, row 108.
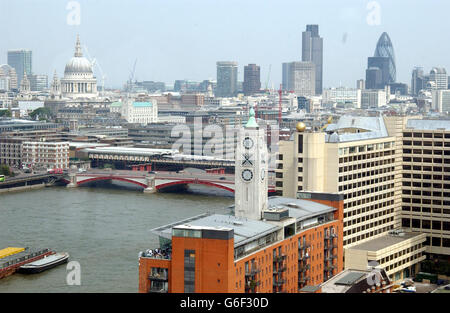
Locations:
column 368, row 235
column 366, row 156
column 376, row 197
column 378, row 171
column 368, row 226
column 426, row 143
column 368, row 217
column 426, row 209
column 425, row 193
column 426, row 168
column 404, row 261
column 426, row 224
column 426, row 176
column 364, row 148
column 426, row 160
column 400, row 253
column 426, row 135
column 426, row 151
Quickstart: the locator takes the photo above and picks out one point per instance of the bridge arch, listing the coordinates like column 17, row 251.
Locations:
column 197, row 182
column 90, row 180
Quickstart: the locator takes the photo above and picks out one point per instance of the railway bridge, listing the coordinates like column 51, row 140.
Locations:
column 153, row 181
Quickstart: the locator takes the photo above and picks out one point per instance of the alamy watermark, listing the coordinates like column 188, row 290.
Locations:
column 74, row 15
column 73, row 277
column 374, row 16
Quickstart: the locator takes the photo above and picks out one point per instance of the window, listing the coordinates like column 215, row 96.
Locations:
column 189, row 271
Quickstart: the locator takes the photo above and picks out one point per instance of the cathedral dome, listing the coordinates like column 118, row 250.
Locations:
column 78, row 64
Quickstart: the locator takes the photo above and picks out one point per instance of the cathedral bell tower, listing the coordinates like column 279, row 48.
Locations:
column 251, row 163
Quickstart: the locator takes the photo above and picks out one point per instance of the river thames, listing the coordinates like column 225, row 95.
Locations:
column 102, row 228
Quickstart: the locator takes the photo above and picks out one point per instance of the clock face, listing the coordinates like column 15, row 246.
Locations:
column 247, row 175
column 248, row 143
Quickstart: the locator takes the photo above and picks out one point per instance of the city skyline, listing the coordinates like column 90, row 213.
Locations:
column 343, row 27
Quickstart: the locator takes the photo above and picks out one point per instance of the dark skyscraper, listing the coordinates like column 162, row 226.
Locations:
column 384, row 61
column 312, row 51
column 385, row 49
column 252, row 79
column 381, row 79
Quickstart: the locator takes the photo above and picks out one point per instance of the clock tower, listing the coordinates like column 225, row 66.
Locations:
column 251, row 163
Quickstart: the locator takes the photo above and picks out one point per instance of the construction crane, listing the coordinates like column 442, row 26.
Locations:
column 268, row 77
column 280, row 91
column 130, row 80
column 93, row 63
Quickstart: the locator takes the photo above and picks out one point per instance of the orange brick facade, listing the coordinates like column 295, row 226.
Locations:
column 284, row 266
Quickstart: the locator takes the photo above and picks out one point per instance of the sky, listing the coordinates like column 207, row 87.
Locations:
column 183, row 39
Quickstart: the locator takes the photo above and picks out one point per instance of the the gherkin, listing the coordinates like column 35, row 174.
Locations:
column 385, row 49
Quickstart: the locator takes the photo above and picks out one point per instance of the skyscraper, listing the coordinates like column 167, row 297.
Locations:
column 385, row 49
column 377, row 74
column 21, row 61
column 438, row 75
column 417, row 81
column 226, row 79
column 252, row 79
column 300, row 78
column 312, row 51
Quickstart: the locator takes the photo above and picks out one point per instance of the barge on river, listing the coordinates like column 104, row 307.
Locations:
column 11, row 262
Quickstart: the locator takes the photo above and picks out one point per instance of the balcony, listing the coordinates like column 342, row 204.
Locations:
column 158, row 276
column 279, row 282
column 304, row 268
column 303, row 257
column 279, row 258
column 157, row 290
column 303, row 280
column 281, row 269
column 304, row 246
column 253, row 271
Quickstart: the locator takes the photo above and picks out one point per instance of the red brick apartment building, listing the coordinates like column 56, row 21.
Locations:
column 296, row 244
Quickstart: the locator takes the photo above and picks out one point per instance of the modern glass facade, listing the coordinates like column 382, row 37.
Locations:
column 21, row 60
column 226, row 79
column 385, row 49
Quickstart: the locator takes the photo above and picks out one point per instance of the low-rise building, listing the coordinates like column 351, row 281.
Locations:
column 48, row 155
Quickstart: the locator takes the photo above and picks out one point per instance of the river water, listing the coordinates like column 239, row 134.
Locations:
column 102, row 228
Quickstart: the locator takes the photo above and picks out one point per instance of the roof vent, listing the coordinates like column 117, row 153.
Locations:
column 238, row 223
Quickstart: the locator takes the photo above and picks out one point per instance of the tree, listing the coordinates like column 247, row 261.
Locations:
column 4, row 170
column 42, row 113
column 5, row 113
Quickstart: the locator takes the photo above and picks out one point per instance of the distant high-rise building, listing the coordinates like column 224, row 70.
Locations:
column 384, row 60
column 226, row 79
column 381, row 79
column 361, row 84
column 385, row 49
column 438, row 75
column 417, row 81
column 38, row 82
column 373, row 78
column 300, row 78
column 252, row 79
column 21, row 61
column 312, row 51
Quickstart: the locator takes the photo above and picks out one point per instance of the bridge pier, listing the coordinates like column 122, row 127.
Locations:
column 150, row 182
column 73, row 180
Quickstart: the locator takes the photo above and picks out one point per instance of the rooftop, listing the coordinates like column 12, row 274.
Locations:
column 131, row 151
column 299, row 209
column 351, row 281
column 384, row 242
column 365, row 127
column 246, row 229
column 428, row 124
